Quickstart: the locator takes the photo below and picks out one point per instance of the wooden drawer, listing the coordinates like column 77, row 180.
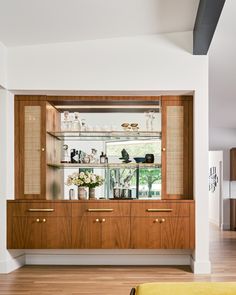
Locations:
column 149, row 209
column 50, row 209
column 101, row 208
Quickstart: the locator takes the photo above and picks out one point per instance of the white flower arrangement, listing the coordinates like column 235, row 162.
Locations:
column 87, row 179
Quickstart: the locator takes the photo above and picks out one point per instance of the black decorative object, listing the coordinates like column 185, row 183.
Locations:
column 149, row 158
column 73, row 156
column 139, row 159
column 125, row 156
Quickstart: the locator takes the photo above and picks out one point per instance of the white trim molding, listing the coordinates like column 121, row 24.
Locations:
column 11, row 264
column 200, row 267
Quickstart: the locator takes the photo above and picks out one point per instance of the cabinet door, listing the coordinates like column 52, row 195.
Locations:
column 177, row 148
column 145, row 233
column 30, row 141
column 86, row 233
column 115, row 232
column 175, row 233
column 56, row 232
column 26, row 233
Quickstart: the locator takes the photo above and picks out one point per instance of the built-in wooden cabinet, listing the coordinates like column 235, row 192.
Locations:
column 34, row 222
column 100, row 225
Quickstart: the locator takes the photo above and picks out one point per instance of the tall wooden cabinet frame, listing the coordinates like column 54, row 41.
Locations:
column 34, row 148
column 177, row 147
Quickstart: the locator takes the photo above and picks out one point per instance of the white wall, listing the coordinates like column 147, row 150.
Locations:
column 13, row 259
column 3, row 65
column 139, row 64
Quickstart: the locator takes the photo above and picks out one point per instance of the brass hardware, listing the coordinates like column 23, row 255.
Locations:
column 100, row 210
column 163, row 149
column 37, row 220
column 156, row 220
column 162, row 220
column 159, row 210
column 103, row 220
column 40, row 210
column 44, row 220
column 43, row 149
column 97, row 220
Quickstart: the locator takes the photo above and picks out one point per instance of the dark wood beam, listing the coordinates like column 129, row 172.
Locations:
column 208, row 14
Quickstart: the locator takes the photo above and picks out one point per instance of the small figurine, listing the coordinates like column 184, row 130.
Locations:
column 125, row 156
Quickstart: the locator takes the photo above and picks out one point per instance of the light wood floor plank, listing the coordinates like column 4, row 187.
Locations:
column 81, row 280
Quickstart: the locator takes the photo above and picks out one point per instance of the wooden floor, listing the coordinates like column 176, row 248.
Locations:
column 66, row 280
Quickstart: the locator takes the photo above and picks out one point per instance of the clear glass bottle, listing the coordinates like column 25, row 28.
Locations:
column 92, row 156
column 76, row 123
column 83, row 125
column 66, row 122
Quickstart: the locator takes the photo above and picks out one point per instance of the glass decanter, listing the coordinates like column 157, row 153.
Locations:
column 66, row 122
column 76, row 123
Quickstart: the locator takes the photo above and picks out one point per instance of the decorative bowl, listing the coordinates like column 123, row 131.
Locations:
column 139, row 159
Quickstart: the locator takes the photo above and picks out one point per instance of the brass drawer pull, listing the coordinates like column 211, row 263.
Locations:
column 40, row 210
column 159, row 210
column 100, row 210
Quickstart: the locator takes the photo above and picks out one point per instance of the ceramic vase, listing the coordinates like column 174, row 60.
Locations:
column 91, row 193
column 82, row 193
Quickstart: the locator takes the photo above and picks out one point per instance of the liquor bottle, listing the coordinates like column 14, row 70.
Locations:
column 102, row 158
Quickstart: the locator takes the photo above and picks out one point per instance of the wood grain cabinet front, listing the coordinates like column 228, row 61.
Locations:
column 168, row 225
column 39, row 226
column 100, row 225
column 100, row 232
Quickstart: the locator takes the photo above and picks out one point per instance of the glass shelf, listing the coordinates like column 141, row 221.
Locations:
column 104, row 166
column 105, row 135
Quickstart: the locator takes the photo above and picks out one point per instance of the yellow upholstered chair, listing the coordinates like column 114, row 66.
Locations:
column 203, row 288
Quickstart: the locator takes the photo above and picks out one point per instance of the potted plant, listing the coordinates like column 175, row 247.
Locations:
column 85, row 179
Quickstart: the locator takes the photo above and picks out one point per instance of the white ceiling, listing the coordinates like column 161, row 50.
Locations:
column 222, row 70
column 30, row 22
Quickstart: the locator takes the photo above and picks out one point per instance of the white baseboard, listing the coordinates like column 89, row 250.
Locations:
column 214, row 222
column 12, row 264
column 200, row 267
column 225, row 226
column 94, row 258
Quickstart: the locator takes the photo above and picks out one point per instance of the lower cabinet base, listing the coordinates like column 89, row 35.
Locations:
column 108, row 257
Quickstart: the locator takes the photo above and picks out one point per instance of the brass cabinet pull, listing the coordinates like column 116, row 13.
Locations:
column 159, row 210
column 38, row 220
column 44, row 220
column 97, row 220
column 156, row 220
column 162, row 220
column 40, row 210
column 100, row 210
column 163, row 149
column 43, row 149
column 103, row 220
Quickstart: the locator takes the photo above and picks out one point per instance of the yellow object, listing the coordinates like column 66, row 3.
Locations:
column 206, row 288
